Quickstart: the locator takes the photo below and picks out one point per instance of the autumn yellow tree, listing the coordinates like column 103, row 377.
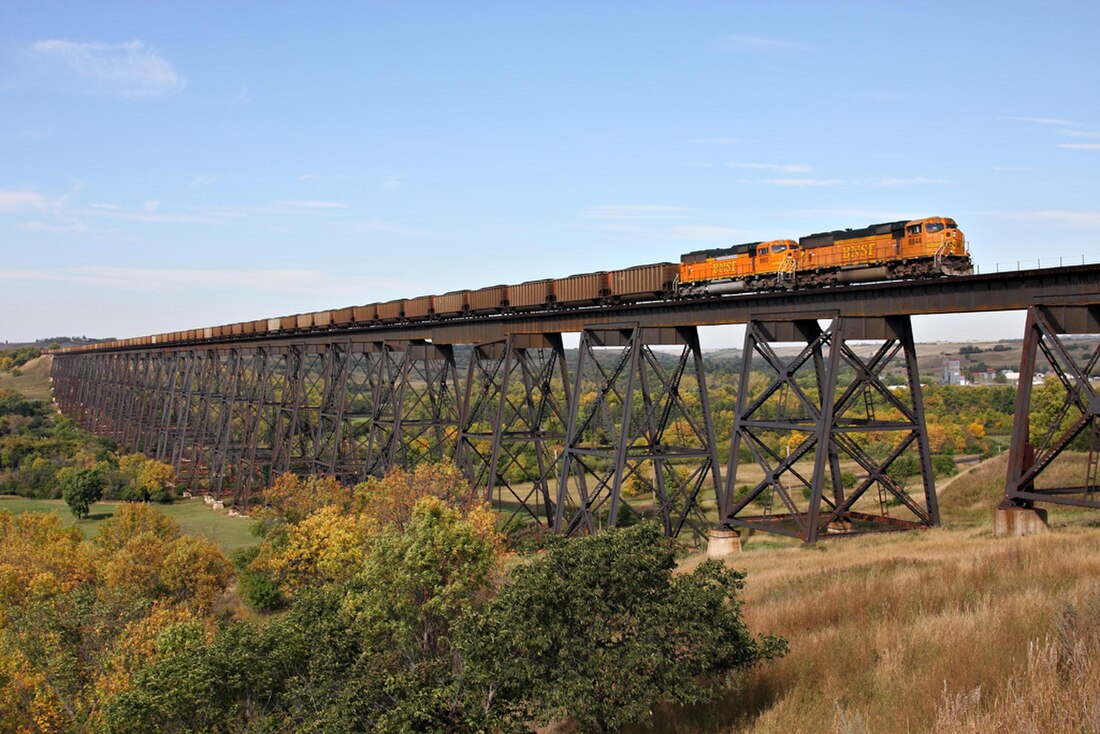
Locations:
column 292, row 499
column 78, row 617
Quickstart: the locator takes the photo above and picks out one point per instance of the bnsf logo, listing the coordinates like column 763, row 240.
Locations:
column 858, row 252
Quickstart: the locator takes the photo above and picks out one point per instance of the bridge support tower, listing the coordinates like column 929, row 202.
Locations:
column 642, row 443
column 513, row 429
column 825, row 405
column 1054, row 456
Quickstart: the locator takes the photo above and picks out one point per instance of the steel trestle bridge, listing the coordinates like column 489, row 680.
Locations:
column 624, row 430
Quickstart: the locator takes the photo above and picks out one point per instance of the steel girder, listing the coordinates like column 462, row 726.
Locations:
column 516, row 403
column 799, row 424
column 1068, row 417
column 642, row 443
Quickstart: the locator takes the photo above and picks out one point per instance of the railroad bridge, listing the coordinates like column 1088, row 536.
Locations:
column 624, row 429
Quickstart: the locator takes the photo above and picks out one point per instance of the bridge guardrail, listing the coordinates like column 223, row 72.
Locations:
column 1060, row 261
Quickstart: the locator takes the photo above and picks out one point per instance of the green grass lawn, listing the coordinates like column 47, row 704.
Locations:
column 192, row 515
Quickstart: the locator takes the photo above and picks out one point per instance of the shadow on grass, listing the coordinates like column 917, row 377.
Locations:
column 734, row 707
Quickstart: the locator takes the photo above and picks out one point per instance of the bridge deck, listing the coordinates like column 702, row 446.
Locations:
column 1009, row 291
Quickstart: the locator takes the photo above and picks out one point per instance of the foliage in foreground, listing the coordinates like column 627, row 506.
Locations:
column 79, row 617
column 398, row 618
column 423, row 638
column 599, row 630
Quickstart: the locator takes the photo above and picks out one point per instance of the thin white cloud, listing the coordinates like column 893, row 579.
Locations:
column 128, row 70
column 913, row 181
column 1045, row 121
column 636, row 211
column 1062, row 216
column 1081, row 133
column 850, row 214
column 760, row 43
column 52, row 228
column 313, row 205
column 716, row 141
column 1080, row 146
column 374, row 225
column 778, row 167
column 23, row 201
column 801, row 182
column 182, row 279
column 56, row 228
column 806, row 182
column 244, row 97
column 393, row 183
column 34, row 134
column 148, row 213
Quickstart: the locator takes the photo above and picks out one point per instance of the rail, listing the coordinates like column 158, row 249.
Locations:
column 1060, row 261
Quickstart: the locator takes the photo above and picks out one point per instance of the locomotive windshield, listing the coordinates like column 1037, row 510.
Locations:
column 934, row 227
column 779, row 248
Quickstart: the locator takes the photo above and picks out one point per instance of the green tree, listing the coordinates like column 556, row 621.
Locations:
column 416, row 585
column 80, row 488
column 599, row 630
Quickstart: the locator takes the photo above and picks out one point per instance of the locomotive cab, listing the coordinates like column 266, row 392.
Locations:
column 775, row 256
column 934, row 236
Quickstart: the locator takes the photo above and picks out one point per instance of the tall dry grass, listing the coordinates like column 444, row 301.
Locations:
column 946, row 630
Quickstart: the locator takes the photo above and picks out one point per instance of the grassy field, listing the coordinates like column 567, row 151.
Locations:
column 34, row 382
column 948, row 630
column 193, row 516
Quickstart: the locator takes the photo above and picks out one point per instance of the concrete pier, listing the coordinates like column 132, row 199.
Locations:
column 1013, row 522
column 723, row 543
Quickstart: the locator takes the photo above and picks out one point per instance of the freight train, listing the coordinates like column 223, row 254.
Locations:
column 920, row 248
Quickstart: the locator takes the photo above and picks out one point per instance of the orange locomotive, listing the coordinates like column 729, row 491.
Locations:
column 907, row 249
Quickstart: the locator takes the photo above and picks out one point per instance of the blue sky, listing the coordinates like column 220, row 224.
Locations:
column 173, row 165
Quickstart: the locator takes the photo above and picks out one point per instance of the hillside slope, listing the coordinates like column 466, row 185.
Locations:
column 34, row 382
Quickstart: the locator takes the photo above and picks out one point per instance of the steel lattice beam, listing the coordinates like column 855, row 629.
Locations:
column 637, row 428
column 1075, row 423
column 816, row 403
column 516, row 402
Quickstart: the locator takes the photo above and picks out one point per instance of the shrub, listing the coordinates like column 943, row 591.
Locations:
column 81, row 488
column 944, row 466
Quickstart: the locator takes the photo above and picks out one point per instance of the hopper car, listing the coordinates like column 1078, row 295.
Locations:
column 907, row 249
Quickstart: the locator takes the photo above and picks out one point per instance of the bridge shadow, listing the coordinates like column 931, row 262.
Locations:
column 749, row 695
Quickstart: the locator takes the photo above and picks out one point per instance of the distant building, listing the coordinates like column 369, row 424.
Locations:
column 952, row 372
